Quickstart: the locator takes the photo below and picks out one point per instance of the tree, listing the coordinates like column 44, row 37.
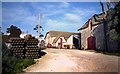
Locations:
column 14, row 31
column 115, row 26
column 41, row 28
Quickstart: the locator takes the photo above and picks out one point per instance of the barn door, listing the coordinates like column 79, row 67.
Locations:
column 91, row 42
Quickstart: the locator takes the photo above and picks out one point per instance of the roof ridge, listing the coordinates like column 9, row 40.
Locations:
column 55, row 40
column 61, row 31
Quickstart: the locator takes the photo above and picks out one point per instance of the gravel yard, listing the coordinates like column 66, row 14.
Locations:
column 71, row 60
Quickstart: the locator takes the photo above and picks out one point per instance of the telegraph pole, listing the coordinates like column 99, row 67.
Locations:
column 39, row 26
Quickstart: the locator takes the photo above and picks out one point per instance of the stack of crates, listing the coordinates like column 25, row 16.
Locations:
column 25, row 48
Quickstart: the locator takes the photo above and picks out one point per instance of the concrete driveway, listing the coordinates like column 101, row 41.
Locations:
column 71, row 60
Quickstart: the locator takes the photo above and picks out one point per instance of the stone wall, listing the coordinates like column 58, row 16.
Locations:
column 85, row 33
column 98, row 32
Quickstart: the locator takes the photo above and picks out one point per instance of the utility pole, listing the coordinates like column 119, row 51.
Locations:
column 39, row 26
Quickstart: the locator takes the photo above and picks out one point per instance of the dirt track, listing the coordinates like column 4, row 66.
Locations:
column 69, row 60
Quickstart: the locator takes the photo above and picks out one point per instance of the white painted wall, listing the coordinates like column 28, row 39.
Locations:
column 63, row 40
column 47, row 39
column 50, row 40
column 70, row 41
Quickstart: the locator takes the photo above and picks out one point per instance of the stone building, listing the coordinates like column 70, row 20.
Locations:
column 62, row 39
column 93, row 34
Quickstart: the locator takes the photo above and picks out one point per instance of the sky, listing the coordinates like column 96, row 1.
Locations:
column 61, row 16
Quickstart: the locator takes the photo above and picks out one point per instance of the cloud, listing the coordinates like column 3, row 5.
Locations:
column 64, row 5
column 72, row 17
column 18, row 14
column 55, row 25
column 50, row 9
column 63, row 16
column 62, row 25
column 85, row 12
column 20, row 17
column 30, row 20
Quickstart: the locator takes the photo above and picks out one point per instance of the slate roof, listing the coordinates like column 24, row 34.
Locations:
column 96, row 19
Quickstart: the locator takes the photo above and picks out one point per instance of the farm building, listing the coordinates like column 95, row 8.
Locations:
column 62, row 39
column 93, row 34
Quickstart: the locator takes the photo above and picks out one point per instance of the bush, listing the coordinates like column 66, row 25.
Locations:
column 11, row 64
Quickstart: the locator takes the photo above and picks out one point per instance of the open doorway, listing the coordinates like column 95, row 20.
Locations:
column 77, row 41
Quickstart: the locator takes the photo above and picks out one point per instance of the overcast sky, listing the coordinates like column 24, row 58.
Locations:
column 63, row 16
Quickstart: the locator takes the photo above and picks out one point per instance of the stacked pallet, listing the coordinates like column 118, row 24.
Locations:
column 25, row 48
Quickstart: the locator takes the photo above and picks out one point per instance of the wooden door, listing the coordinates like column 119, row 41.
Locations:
column 91, row 41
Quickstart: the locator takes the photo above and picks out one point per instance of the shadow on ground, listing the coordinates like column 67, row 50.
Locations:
column 112, row 53
column 42, row 53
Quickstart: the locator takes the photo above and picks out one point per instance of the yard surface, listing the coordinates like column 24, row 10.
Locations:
column 71, row 60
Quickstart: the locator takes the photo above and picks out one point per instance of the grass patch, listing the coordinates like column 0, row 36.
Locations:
column 11, row 64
